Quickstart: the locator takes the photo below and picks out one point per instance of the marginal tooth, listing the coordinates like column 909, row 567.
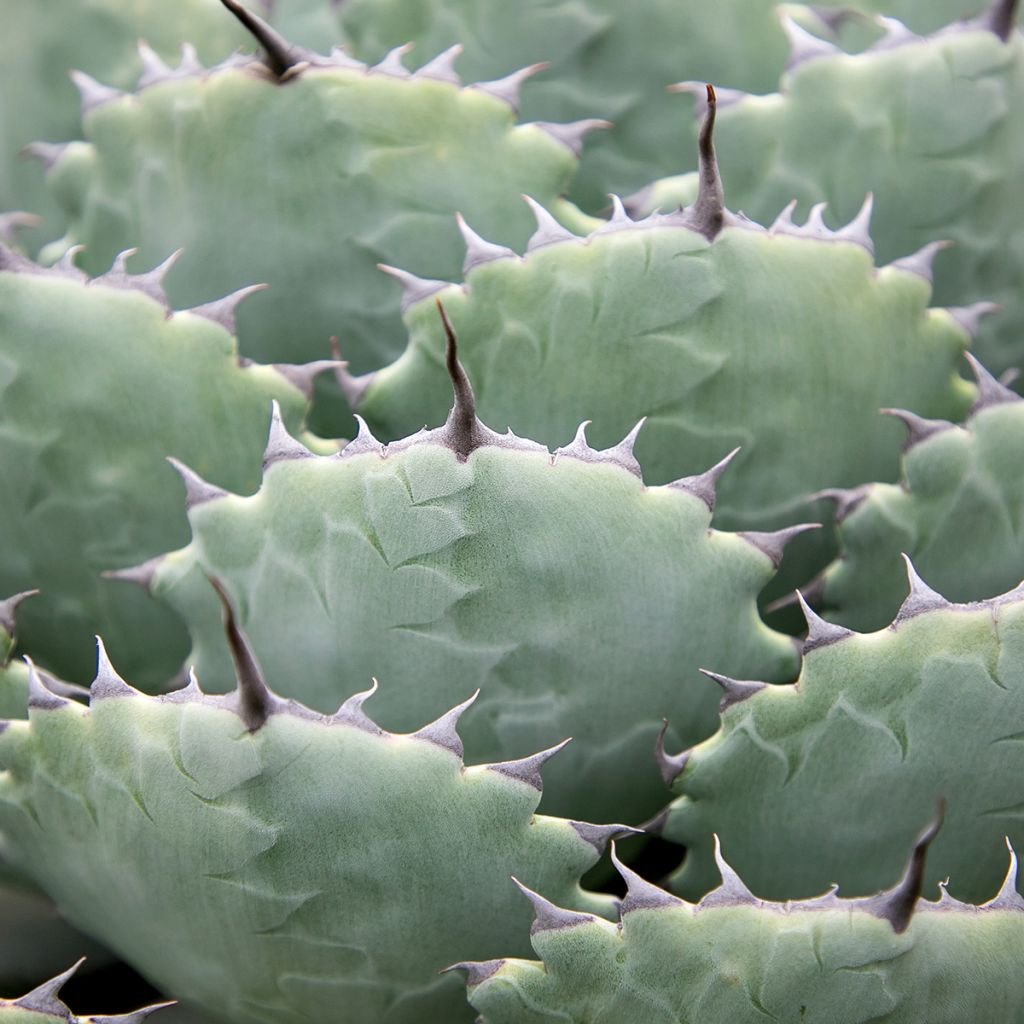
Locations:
column 895, row 33
column 14, row 263
column 66, row 264
column 508, row 88
column 990, row 390
column 670, row 765
column 442, row 67
column 803, row 46
column 414, row 289
column 896, row 905
column 92, row 93
column 45, row 998
column 820, row 633
column 351, row 712
column 477, row 971
column 704, row 485
column 444, row 730
column 734, row 691
column 141, row 575
column 1008, row 898
column 479, row 250
column 571, row 134
column 252, row 699
column 39, row 695
column 640, row 894
column 858, row 230
column 815, row 226
column 281, row 446
column 302, row 375
column 279, row 55
column 598, row 836
column 197, row 490
column 921, row 598
column 107, row 682
column 189, row 64
column 1002, row 18
column 579, row 448
column 784, row 221
column 363, row 443
column 619, row 218
column 922, row 262
column 946, row 901
column 547, row 917
column 847, row 500
column 773, row 544
column 223, row 311
column 918, row 428
column 9, row 610
column 341, row 59
column 119, row 268
column 47, row 153
column 352, row 386
column 731, row 891
column 392, row 63
column 135, row 1017
column 153, row 68
column 708, row 213
column 656, row 826
column 549, row 231
column 699, row 91
column 970, row 317
column 527, row 769
column 622, row 453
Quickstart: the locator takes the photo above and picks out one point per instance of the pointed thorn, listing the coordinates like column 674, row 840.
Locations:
column 784, row 221
column 197, row 490
column 477, row 971
column 704, row 485
column 444, row 730
column 442, row 67
column 47, row 153
column 392, row 63
column 479, row 250
column 141, row 575
column 1008, row 898
column 970, row 317
column 620, row 218
column 699, row 91
column 708, row 212
column 803, row 46
column 598, row 836
column 1002, row 18
column 820, row 633
column 281, row 446
column 847, row 500
column 990, row 390
column 656, row 826
column 773, row 544
column 463, row 431
column 302, row 375
column 253, row 701
column 572, row 133
column 735, row 691
column 579, row 448
column 45, row 999
column 547, row 917
column 507, row 89
column 39, row 694
column 895, row 33
column 93, row 94
column 640, row 894
column 918, row 428
column 66, row 264
column 414, row 289
column 135, row 1017
column 527, row 769
column 364, row 442
column 351, row 711
column 622, row 453
column 922, row 262
column 670, row 765
column 858, row 230
column 921, row 598
column 153, row 67
column 278, row 54
column 107, row 682
column 897, row 905
column 339, row 58
column 223, row 311
column 351, row 386
column 731, row 890
column 549, row 231
column 9, row 610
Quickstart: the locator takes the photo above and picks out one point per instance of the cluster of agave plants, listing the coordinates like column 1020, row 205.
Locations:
column 418, row 341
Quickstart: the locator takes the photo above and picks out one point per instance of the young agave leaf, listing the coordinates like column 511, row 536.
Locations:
column 783, row 341
column 41, row 42
column 930, row 124
column 578, row 599
column 99, row 381
column 956, row 511
column 43, row 1005
column 302, row 866
column 877, row 727
column 304, row 172
column 736, row 959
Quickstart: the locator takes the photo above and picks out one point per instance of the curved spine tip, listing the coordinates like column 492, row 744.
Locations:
column 107, row 681
column 598, row 836
column 1008, row 897
column 507, row 89
column 918, row 428
column 527, row 769
column 547, row 916
column 704, row 485
column 734, row 691
column 9, row 610
column 197, row 490
column 39, row 694
column 820, row 632
column 364, row 442
column 281, row 446
column 858, row 230
column 45, row 998
column 731, row 891
column 773, row 543
column 640, row 894
column 462, row 430
column 670, row 766
column 549, row 231
column 223, row 311
column 619, row 218
column 477, row 971
column 351, row 711
column 392, row 63
column 444, row 732
column 442, row 67
column 921, row 597
column 709, row 210
column 279, row 55
column 478, row 249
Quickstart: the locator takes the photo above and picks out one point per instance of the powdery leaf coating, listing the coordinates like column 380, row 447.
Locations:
column 877, row 727
column 929, row 124
column 305, row 184
column 957, row 512
column 736, row 959
column 305, row 867
column 99, row 381
column 579, row 600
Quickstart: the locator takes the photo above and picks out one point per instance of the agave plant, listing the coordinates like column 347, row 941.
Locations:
column 626, row 497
